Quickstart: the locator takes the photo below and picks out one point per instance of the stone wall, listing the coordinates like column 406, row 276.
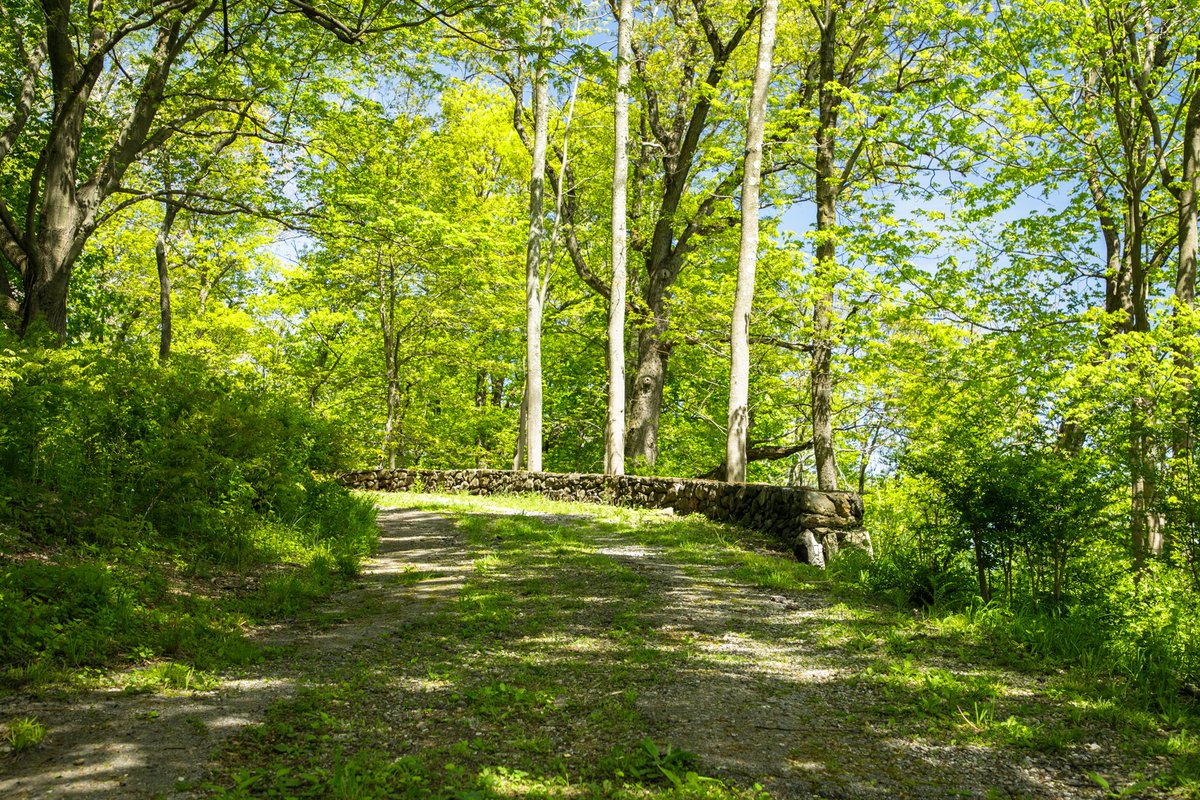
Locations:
column 814, row 523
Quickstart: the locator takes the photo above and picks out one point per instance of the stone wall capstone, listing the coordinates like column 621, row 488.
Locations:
column 813, row 523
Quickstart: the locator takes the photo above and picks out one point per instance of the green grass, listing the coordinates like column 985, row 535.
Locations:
column 531, row 682
column 23, row 733
column 69, row 614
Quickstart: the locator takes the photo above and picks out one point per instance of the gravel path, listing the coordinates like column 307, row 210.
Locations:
column 761, row 696
column 764, row 699
column 110, row 744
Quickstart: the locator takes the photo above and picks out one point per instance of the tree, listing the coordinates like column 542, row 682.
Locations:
column 99, row 88
column 411, row 213
column 676, row 125
column 533, row 263
column 1119, row 83
column 68, row 184
column 614, row 432
column 739, row 336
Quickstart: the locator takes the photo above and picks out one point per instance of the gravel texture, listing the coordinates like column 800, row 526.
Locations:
column 760, row 689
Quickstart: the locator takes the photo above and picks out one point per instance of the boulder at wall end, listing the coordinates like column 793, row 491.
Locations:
column 808, row 549
column 860, row 538
column 819, row 546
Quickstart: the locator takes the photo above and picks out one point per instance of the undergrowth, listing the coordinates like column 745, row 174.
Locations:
column 576, row 646
column 1138, row 639
column 152, row 512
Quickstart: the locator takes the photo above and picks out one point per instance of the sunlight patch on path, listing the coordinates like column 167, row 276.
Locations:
column 110, row 744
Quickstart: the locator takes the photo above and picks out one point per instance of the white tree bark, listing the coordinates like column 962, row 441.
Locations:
column 533, row 277
column 614, row 435
column 739, row 335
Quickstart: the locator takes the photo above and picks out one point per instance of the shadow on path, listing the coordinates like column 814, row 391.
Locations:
column 110, row 744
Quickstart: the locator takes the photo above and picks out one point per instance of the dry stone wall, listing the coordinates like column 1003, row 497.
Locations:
column 814, row 523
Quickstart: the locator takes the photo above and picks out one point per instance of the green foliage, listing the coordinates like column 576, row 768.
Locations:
column 122, row 478
column 103, row 448
column 23, row 733
column 1024, row 510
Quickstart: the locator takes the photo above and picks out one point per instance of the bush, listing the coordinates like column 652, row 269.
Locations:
column 116, row 471
column 1038, row 516
column 103, row 447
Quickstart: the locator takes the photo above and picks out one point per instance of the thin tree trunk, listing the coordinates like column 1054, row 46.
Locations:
column 826, row 200
column 614, row 432
column 739, row 335
column 1185, row 275
column 481, row 387
column 533, row 263
column 386, row 284
column 519, row 449
column 321, row 363
column 497, row 390
column 170, row 211
column 864, row 457
column 981, row 567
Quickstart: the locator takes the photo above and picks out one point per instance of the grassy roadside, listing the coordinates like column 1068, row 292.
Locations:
column 148, row 612
column 151, row 511
column 535, row 681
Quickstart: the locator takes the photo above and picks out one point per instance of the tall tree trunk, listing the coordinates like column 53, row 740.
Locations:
column 1185, row 275
column 739, row 335
column 170, row 211
column 1189, row 204
column 821, row 382
column 614, row 430
column 1146, row 517
column 387, row 324
column 533, row 262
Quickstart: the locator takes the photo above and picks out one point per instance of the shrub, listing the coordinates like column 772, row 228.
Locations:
column 115, row 470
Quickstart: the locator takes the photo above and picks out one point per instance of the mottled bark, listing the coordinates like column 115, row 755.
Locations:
column 827, row 189
column 533, row 269
column 645, row 401
column 739, row 334
column 614, row 432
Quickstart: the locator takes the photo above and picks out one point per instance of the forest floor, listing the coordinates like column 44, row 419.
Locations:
column 499, row 648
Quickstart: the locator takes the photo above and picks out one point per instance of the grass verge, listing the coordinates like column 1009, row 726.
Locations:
column 70, row 614
column 541, row 678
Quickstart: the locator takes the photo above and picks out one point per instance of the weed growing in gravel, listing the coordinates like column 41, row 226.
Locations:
column 23, row 733
column 171, row 676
